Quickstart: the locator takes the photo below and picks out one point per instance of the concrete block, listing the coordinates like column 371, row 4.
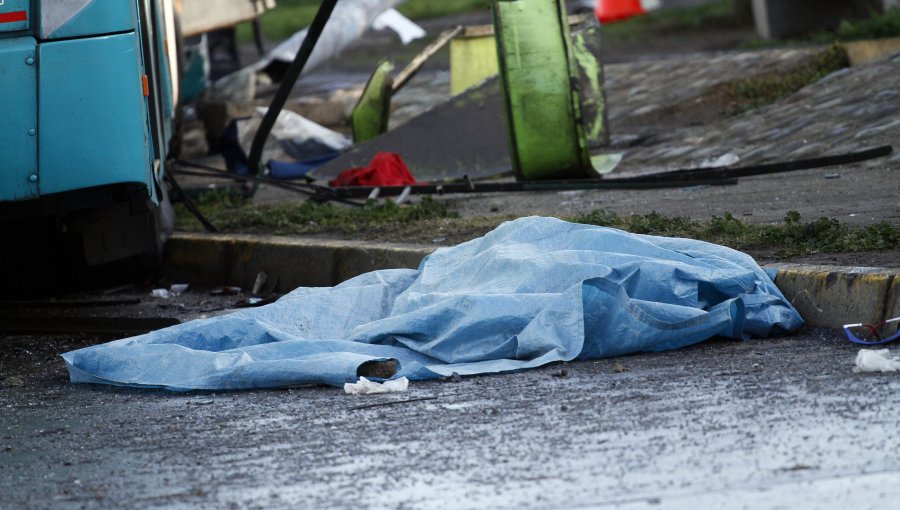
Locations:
column 862, row 52
column 217, row 260
column 830, row 296
column 826, row 296
column 892, row 308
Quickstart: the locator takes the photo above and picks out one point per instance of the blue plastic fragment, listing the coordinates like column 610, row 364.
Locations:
column 531, row 292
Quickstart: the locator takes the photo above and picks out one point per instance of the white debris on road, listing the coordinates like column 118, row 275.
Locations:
column 172, row 292
column 877, row 361
column 367, row 387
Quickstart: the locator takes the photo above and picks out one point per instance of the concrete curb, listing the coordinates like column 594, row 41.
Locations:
column 827, row 296
column 832, row 296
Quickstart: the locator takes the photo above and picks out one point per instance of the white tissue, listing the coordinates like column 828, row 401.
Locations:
column 367, row 387
column 876, row 361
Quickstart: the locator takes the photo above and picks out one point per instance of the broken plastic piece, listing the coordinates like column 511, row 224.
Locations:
column 370, row 116
column 173, row 291
column 877, row 361
column 294, row 138
column 367, row 387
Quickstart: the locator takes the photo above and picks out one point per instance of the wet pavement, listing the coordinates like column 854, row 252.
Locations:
column 780, row 423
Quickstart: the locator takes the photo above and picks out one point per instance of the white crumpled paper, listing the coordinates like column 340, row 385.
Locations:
column 172, row 292
column 367, row 387
column 876, row 361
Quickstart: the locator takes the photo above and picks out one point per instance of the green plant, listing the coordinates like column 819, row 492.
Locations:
column 754, row 92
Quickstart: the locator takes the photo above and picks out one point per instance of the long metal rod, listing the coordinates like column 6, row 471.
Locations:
column 772, row 168
column 303, row 188
column 676, row 179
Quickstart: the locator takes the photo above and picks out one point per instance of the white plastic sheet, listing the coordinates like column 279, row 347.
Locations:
column 290, row 130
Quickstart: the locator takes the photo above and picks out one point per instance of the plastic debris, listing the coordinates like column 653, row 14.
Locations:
column 405, row 28
column 728, row 159
column 225, row 291
column 883, row 360
column 294, row 138
column 348, row 22
column 172, row 292
column 367, row 387
column 386, row 169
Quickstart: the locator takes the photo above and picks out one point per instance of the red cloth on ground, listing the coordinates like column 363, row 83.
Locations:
column 386, row 169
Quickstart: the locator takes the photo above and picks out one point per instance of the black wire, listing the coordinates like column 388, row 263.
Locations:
column 287, row 84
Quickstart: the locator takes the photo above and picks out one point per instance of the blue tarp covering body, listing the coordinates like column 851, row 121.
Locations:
column 531, row 292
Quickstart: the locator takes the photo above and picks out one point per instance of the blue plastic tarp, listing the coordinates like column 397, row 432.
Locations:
column 531, row 292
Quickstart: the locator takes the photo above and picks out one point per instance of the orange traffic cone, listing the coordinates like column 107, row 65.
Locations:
column 616, row 10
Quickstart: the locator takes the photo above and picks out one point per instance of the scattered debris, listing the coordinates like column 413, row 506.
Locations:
column 723, row 160
column 385, row 169
column 294, row 140
column 348, row 22
column 172, row 292
column 367, row 387
column 883, row 360
column 261, row 279
column 562, row 373
column 400, row 24
column 254, row 302
column 225, row 291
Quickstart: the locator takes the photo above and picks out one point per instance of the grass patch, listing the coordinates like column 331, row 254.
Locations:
column 231, row 212
column 749, row 93
column 789, row 238
column 876, row 26
column 433, row 221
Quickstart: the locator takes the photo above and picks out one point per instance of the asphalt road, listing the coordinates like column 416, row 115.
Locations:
column 780, row 423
